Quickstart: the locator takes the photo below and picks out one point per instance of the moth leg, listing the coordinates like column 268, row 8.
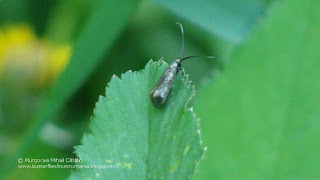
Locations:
column 180, row 74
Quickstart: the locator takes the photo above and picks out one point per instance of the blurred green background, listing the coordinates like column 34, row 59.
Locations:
column 56, row 58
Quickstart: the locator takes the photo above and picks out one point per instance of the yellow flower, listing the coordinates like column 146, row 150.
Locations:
column 26, row 58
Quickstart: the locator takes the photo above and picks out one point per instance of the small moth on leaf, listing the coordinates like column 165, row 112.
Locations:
column 162, row 89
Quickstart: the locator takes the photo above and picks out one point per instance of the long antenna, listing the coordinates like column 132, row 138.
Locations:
column 182, row 33
column 210, row 57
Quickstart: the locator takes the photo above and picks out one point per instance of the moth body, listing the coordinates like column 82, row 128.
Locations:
column 162, row 89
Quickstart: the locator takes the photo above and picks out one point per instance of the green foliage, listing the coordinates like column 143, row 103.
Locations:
column 102, row 29
column 144, row 141
column 231, row 19
column 96, row 39
column 261, row 119
column 41, row 173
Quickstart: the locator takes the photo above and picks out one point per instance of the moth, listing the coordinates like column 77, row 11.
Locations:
column 163, row 88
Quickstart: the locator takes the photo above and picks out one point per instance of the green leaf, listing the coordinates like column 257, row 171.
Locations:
column 261, row 119
column 230, row 19
column 99, row 33
column 145, row 142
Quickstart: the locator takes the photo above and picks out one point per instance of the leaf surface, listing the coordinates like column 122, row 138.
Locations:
column 144, row 142
column 261, row 119
column 230, row 19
